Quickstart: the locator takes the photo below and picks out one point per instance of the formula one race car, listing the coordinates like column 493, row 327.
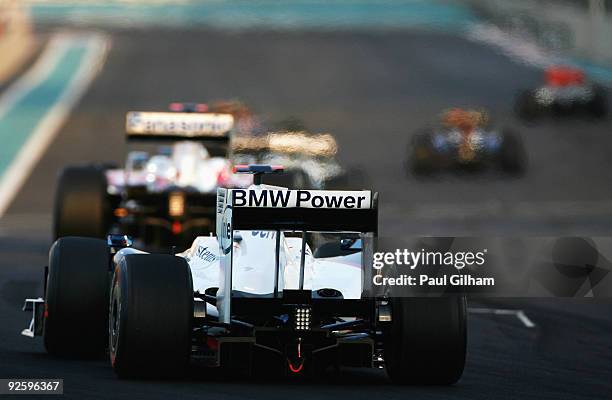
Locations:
column 309, row 159
column 566, row 92
column 164, row 196
column 285, row 287
column 464, row 142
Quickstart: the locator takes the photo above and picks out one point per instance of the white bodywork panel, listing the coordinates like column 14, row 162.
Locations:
column 254, row 261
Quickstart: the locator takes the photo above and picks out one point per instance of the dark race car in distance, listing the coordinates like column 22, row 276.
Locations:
column 465, row 141
column 566, row 92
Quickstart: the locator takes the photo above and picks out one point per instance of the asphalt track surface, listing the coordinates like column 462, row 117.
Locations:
column 372, row 90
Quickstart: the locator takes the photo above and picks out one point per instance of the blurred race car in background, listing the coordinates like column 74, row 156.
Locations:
column 309, row 159
column 464, row 141
column 163, row 196
column 566, row 92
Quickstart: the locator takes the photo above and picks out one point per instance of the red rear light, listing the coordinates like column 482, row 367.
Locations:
column 212, row 343
column 297, row 369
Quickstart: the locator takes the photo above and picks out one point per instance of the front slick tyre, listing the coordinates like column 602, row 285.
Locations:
column 77, row 298
column 426, row 342
column 151, row 310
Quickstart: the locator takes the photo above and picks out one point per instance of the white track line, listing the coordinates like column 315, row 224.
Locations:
column 524, row 319
column 44, row 133
column 520, row 314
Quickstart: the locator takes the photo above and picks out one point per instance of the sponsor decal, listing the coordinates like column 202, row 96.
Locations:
column 185, row 124
column 273, row 198
column 264, row 234
column 205, row 255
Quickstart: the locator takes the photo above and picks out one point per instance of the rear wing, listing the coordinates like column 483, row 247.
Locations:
column 273, row 208
column 178, row 126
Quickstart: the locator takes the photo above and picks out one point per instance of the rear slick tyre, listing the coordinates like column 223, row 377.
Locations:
column 150, row 316
column 426, row 341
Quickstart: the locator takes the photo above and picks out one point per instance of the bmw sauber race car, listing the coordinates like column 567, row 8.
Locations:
column 566, row 92
column 282, row 288
column 164, row 196
column 464, row 141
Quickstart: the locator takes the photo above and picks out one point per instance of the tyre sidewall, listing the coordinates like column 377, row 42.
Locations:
column 155, row 297
column 426, row 341
column 77, row 298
